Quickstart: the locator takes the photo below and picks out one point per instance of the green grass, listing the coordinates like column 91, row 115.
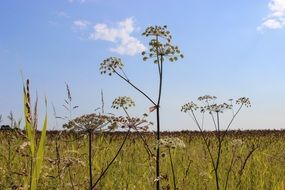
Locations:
column 133, row 169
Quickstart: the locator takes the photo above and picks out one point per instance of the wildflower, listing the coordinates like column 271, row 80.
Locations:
column 217, row 107
column 189, row 106
column 157, row 48
column 132, row 123
column 123, row 102
column 108, row 66
column 88, row 121
column 158, row 31
column 244, row 101
column 172, row 142
column 206, row 98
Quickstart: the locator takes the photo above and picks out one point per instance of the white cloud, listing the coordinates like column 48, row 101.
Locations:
column 276, row 18
column 81, row 24
column 277, row 7
column 270, row 24
column 120, row 35
column 103, row 32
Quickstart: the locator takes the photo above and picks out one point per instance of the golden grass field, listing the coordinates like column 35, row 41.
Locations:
column 250, row 160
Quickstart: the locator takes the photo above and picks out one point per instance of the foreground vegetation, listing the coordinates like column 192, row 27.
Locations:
column 251, row 160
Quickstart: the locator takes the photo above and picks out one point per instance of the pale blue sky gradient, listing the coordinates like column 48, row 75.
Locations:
column 226, row 55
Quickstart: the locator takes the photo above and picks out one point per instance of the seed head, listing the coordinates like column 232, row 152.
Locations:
column 123, row 102
column 88, row 121
column 207, row 98
column 156, row 31
column 161, row 48
column 108, row 66
column 244, row 101
column 190, row 106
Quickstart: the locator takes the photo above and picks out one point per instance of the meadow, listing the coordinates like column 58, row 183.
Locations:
column 251, row 160
column 107, row 151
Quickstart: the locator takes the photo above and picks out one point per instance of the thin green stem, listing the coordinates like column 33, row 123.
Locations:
column 172, row 169
column 149, row 152
column 240, row 172
column 234, row 116
column 70, row 178
column 229, row 171
column 119, row 150
column 58, row 159
column 157, row 149
column 160, row 68
column 128, row 81
column 90, row 158
column 204, row 139
column 218, row 153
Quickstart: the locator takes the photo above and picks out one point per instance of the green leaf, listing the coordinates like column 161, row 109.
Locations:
column 39, row 157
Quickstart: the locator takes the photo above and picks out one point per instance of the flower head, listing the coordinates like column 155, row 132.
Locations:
column 210, row 106
column 190, row 106
column 172, row 142
column 244, row 101
column 108, row 66
column 123, row 102
column 88, row 121
column 160, row 48
column 160, row 31
column 132, row 123
column 207, row 98
column 215, row 107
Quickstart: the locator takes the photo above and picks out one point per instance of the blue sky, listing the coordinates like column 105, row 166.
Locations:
column 231, row 48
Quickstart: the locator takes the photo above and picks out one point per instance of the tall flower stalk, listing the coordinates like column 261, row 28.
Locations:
column 214, row 110
column 160, row 49
column 128, row 123
column 92, row 123
column 89, row 123
column 172, row 143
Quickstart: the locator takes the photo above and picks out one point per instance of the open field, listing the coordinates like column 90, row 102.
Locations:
column 250, row 160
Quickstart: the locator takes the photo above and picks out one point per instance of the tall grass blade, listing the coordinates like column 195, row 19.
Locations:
column 40, row 156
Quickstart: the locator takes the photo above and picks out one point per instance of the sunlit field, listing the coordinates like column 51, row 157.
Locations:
column 251, row 160
column 142, row 95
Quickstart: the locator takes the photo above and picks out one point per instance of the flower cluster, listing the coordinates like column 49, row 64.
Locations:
column 132, row 123
column 123, row 102
column 244, row 101
column 109, row 65
column 159, row 49
column 207, row 98
column 172, row 142
column 210, row 106
column 215, row 108
column 88, row 122
column 160, row 31
column 190, row 106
